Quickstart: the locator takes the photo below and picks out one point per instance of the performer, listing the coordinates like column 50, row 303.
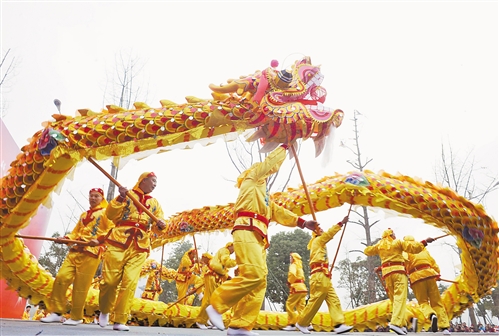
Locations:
column 153, row 289
column 217, row 273
column 41, row 312
column 297, row 291
column 321, row 287
column 81, row 263
column 253, row 212
column 423, row 274
column 185, row 275
column 128, row 247
column 27, row 313
column 390, row 251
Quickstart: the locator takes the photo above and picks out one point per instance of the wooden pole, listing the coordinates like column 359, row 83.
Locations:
column 441, row 236
column 128, row 193
column 452, row 281
column 188, row 294
column 57, row 240
column 341, row 238
column 161, row 265
column 197, row 254
column 312, row 211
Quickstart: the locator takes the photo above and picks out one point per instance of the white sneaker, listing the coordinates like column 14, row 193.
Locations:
column 342, row 329
column 446, row 332
column 302, row 329
column 434, row 323
column 397, row 330
column 201, row 326
column 215, row 317
column 310, row 327
column 289, row 328
column 72, row 322
column 120, row 327
column 51, row 318
column 240, row 332
column 103, row 320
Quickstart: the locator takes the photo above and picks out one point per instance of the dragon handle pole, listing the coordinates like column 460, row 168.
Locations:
column 134, row 200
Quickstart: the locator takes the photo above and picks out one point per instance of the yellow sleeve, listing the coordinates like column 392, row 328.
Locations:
column 371, row 250
column 114, row 209
column 271, row 163
column 324, row 238
column 282, row 215
column 413, row 247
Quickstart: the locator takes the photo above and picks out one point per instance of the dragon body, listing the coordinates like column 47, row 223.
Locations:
column 281, row 106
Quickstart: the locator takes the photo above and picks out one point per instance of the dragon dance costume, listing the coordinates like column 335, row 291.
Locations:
column 128, row 247
column 390, row 251
column 185, row 276
column 423, row 273
column 321, row 287
column 82, row 262
column 297, row 289
column 253, row 212
column 217, row 273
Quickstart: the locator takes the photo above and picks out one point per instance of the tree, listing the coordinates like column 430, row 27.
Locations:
column 354, row 277
column 53, row 258
column 372, row 283
column 124, row 91
column 169, row 288
column 7, row 66
column 282, row 245
column 461, row 174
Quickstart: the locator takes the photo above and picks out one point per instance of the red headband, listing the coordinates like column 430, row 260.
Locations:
column 99, row 190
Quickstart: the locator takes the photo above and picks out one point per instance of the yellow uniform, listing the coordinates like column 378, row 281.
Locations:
column 297, row 289
column 39, row 314
column 423, row 272
column 217, row 273
column 81, row 263
column 128, row 247
column 26, row 315
column 393, row 272
column 253, row 211
column 321, row 288
column 153, row 288
column 185, row 277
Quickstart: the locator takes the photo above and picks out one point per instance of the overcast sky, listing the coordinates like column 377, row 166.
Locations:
column 422, row 74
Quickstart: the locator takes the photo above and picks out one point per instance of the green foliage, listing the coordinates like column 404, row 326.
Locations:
column 282, row 245
column 52, row 259
column 353, row 277
column 169, row 288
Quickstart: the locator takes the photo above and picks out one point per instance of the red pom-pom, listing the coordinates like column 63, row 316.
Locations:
column 274, row 63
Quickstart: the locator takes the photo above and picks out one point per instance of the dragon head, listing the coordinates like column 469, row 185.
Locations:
column 288, row 104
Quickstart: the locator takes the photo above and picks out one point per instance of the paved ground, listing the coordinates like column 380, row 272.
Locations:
column 12, row 327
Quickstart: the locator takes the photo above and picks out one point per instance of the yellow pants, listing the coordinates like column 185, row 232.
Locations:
column 77, row 269
column 396, row 283
column 121, row 268
column 294, row 306
column 210, row 285
column 428, row 296
column 321, row 289
column 247, row 290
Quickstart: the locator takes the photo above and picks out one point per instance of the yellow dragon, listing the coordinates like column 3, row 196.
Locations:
column 281, row 106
